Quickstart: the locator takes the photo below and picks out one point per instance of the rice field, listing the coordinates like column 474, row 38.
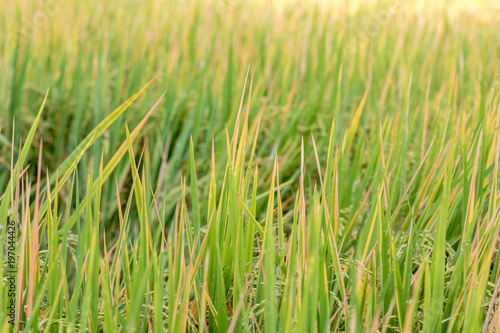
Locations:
column 234, row 166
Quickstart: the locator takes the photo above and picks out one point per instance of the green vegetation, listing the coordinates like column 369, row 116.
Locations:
column 231, row 166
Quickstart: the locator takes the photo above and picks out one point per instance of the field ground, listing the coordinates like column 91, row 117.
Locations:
column 240, row 166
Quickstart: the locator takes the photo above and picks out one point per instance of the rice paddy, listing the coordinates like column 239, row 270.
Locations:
column 232, row 166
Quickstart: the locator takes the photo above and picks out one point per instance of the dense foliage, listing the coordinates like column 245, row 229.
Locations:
column 243, row 166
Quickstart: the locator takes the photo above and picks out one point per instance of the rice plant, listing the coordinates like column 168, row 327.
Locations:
column 224, row 166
